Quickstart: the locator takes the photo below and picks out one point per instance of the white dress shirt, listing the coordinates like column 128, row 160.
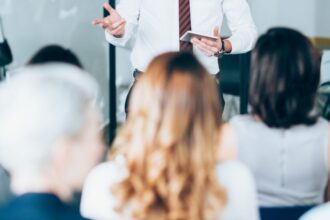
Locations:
column 154, row 25
column 98, row 202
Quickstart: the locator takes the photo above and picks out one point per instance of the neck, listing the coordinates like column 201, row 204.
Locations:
column 257, row 118
column 29, row 183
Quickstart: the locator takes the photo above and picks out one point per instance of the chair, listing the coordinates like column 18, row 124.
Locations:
column 323, row 100
column 6, row 56
column 283, row 213
column 235, row 72
column 325, row 66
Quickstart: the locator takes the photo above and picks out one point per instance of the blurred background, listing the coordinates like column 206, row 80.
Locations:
column 32, row 24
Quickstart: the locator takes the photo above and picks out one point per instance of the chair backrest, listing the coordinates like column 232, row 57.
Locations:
column 235, row 72
column 323, row 100
column 283, row 213
column 6, row 56
column 325, row 66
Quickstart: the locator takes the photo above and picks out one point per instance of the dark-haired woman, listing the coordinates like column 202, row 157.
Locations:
column 283, row 142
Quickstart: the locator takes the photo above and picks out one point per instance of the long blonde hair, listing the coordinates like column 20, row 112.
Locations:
column 169, row 142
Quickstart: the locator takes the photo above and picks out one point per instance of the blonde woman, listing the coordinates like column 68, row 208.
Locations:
column 165, row 165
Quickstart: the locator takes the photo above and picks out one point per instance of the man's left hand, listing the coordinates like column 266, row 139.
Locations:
column 208, row 46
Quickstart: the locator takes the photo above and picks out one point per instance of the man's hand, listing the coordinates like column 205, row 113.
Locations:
column 208, row 46
column 114, row 23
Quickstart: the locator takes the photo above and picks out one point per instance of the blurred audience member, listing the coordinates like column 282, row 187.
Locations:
column 58, row 54
column 165, row 164
column 49, row 139
column 283, row 141
column 55, row 54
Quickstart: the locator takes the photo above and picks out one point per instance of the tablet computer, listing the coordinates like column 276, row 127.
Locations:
column 190, row 34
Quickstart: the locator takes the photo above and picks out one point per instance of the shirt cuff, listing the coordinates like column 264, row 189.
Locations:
column 122, row 41
column 242, row 43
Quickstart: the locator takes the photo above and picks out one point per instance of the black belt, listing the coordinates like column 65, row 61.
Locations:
column 137, row 73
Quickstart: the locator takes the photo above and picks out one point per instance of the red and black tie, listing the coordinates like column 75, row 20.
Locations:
column 184, row 23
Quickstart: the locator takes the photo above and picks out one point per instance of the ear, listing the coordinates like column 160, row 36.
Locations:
column 61, row 154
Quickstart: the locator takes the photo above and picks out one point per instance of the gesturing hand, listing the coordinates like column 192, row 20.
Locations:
column 208, row 46
column 113, row 23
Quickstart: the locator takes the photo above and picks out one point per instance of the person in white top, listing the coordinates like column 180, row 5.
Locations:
column 283, row 140
column 156, row 27
column 166, row 163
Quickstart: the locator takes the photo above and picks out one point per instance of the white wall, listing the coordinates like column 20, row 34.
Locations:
column 309, row 16
column 31, row 24
column 322, row 18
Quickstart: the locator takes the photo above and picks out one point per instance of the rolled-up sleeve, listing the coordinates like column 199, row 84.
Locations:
column 241, row 25
column 129, row 10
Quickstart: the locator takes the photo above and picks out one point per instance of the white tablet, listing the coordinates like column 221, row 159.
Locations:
column 189, row 34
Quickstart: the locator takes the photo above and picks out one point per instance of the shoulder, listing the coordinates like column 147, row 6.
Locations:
column 110, row 172
column 238, row 119
column 231, row 135
column 239, row 184
column 234, row 171
column 242, row 125
column 237, row 179
column 321, row 124
column 97, row 201
column 227, row 143
column 320, row 213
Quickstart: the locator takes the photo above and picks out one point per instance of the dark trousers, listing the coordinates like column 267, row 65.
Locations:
column 138, row 73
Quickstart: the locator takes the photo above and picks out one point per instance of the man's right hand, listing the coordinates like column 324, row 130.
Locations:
column 114, row 23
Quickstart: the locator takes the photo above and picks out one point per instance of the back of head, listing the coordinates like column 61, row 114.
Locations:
column 55, row 54
column 170, row 142
column 39, row 106
column 285, row 74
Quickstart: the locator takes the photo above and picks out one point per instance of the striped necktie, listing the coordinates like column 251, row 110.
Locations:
column 184, row 23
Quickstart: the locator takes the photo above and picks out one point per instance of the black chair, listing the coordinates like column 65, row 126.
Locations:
column 323, row 100
column 283, row 213
column 235, row 72
column 6, row 56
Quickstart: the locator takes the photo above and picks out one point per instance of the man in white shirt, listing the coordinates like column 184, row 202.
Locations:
column 157, row 25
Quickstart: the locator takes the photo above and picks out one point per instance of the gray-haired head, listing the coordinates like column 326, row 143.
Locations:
column 39, row 106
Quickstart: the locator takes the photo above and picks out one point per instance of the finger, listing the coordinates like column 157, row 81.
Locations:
column 216, row 31
column 118, row 31
column 206, row 52
column 108, row 7
column 203, row 48
column 213, row 50
column 193, row 39
column 118, row 24
column 101, row 24
column 212, row 43
column 97, row 21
